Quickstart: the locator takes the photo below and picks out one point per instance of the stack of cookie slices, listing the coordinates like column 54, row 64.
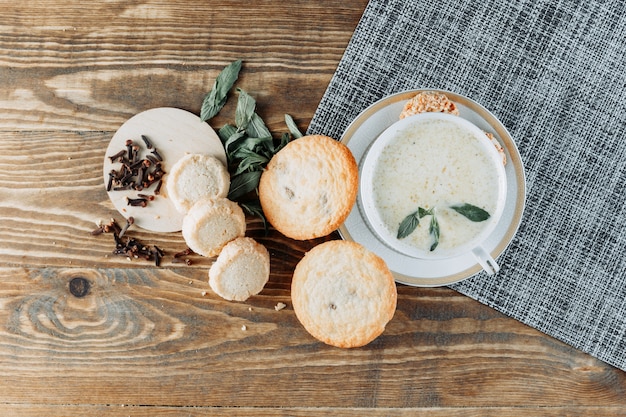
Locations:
column 215, row 226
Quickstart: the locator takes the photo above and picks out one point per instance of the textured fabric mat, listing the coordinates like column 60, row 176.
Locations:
column 554, row 73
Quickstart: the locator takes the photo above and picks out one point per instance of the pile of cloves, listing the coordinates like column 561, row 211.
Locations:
column 129, row 247
column 137, row 173
column 133, row 248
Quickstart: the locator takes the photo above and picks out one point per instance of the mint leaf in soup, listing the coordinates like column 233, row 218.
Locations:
column 424, row 212
column 473, row 213
column 408, row 225
column 433, row 229
column 216, row 98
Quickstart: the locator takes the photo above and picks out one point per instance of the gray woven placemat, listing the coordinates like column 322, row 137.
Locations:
column 554, row 72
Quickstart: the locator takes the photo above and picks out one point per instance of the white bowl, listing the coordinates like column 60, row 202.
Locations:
column 394, row 168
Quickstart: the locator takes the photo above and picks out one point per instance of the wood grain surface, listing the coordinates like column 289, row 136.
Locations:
column 146, row 341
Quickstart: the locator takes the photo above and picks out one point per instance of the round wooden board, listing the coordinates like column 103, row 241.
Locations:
column 174, row 133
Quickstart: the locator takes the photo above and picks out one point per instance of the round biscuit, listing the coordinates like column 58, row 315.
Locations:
column 309, row 187
column 211, row 223
column 241, row 270
column 343, row 294
column 195, row 176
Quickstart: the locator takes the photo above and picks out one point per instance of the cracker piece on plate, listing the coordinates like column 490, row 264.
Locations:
column 429, row 101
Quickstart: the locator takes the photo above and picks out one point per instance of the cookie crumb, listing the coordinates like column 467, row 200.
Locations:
column 280, row 306
column 244, row 328
column 203, row 293
column 249, row 308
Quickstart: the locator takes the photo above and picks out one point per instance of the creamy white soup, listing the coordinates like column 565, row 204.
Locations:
column 435, row 166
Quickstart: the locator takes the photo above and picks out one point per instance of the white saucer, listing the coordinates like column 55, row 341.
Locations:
column 429, row 273
column 174, row 133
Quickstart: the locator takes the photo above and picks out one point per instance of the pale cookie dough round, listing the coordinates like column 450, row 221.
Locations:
column 195, row 176
column 309, row 187
column 211, row 223
column 343, row 294
column 241, row 270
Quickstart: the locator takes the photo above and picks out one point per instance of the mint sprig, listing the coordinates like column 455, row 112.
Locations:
column 217, row 97
column 474, row 213
column 410, row 222
column 248, row 143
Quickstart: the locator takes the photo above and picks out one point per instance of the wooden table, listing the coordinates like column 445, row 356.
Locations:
column 148, row 341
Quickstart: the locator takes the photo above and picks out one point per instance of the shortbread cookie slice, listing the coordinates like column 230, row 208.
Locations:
column 309, row 187
column 195, row 176
column 343, row 294
column 211, row 223
column 241, row 270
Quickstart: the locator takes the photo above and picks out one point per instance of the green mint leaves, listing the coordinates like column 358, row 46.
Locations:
column 475, row 214
column 410, row 222
column 408, row 225
column 216, row 99
column 291, row 125
column 433, row 229
column 249, row 144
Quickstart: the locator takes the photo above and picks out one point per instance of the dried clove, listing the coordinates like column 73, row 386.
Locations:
column 112, row 227
column 136, row 202
column 129, row 222
column 118, row 157
column 186, row 252
column 129, row 149
column 156, row 154
column 157, row 189
column 112, row 176
column 152, row 159
column 128, row 186
column 185, row 261
column 146, row 141
column 146, row 196
column 158, row 255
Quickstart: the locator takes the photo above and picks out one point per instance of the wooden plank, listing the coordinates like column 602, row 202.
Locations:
column 93, row 67
column 149, row 411
column 150, row 336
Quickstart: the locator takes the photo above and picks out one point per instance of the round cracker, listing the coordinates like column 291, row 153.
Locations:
column 309, row 187
column 343, row 294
